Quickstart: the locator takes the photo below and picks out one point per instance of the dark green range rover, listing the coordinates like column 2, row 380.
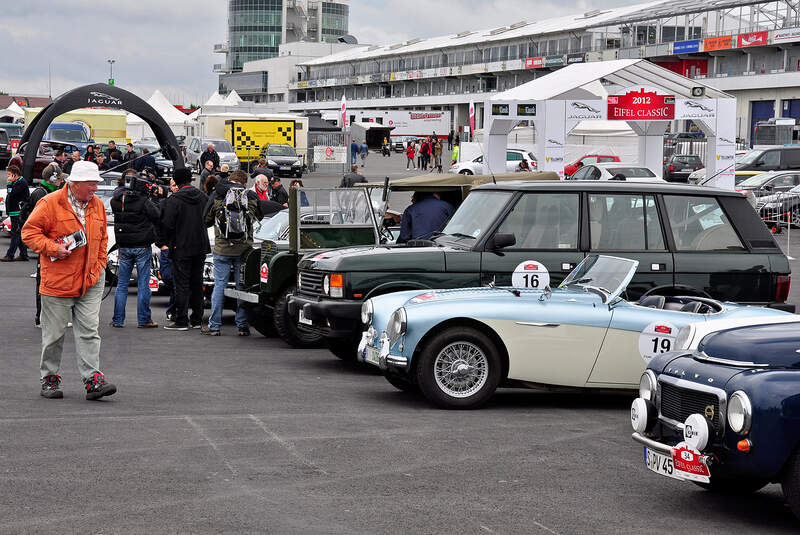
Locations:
column 688, row 240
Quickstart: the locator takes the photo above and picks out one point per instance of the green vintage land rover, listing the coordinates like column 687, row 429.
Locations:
column 688, row 240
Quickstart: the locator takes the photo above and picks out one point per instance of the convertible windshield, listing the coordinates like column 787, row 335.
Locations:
column 608, row 274
column 477, row 213
column 272, row 228
column 757, row 180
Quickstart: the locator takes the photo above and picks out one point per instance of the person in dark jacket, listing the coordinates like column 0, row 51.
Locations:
column 207, row 171
column 17, row 195
column 426, row 215
column 76, row 157
column 185, row 234
column 262, row 169
column 111, row 148
column 52, row 179
column 147, row 161
column 210, row 154
column 278, row 193
column 351, row 178
column 135, row 221
column 129, row 156
column 90, row 154
column 114, row 159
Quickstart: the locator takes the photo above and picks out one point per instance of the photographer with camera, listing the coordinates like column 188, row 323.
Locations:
column 135, row 221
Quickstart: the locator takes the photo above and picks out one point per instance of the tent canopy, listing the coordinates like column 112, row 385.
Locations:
column 233, row 99
column 215, row 100
column 14, row 110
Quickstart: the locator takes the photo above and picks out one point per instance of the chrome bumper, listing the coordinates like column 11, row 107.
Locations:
column 243, row 296
column 664, row 449
column 385, row 358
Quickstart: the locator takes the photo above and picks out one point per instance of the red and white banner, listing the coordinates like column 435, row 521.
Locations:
column 344, row 112
column 751, row 39
column 471, row 116
column 534, row 63
column 641, row 105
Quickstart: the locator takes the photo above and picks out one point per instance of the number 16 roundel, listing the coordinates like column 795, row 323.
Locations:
column 530, row 274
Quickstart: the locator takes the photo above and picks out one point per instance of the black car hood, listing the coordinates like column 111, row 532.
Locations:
column 776, row 346
column 283, row 160
column 387, row 258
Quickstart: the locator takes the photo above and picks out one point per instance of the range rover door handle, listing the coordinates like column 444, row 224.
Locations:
column 537, row 324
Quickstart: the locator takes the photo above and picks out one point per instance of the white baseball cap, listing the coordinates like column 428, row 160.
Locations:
column 83, row 171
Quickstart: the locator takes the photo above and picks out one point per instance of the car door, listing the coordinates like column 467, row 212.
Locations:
column 545, row 225
column 580, row 174
column 629, row 225
column 780, row 184
column 512, row 161
column 709, row 253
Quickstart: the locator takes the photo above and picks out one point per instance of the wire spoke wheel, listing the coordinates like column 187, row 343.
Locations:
column 461, row 369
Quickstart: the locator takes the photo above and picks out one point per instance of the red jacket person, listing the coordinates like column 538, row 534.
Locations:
column 68, row 230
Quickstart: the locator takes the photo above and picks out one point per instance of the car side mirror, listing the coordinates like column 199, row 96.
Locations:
column 768, row 187
column 502, row 240
column 758, row 164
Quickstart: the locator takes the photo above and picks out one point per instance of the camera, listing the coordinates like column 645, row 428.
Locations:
column 140, row 183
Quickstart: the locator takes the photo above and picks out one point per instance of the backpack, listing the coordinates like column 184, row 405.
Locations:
column 233, row 220
column 26, row 208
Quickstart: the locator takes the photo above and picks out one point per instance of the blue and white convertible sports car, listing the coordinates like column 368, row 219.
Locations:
column 459, row 345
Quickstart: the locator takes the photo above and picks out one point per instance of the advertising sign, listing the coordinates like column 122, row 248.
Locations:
column 534, row 63
column 641, row 105
column 584, row 110
column 717, row 43
column 526, row 110
column 685, row 47
column 576, row 58
column 497, row 109
column 752, row 39
column 407, row 123
column 786, row 35
column 695, row 108
column 554, row 61
column 325, row 154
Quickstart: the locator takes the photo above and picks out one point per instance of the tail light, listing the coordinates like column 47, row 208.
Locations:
column 782, row 288
column 671, row 168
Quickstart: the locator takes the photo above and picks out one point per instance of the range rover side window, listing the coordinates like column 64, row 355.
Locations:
column 699, row 224
column 544, row 221
column 770, row 159
column 619, row 222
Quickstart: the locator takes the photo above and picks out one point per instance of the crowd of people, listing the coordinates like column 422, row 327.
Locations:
column 65, row 223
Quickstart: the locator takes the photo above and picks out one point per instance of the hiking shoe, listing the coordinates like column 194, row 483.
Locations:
column 7, row 259
column 196, row 325
column 117, row 325
column 172, row 326
column 51, row 387
column 205, row 329
column 148, row 325
column 97, row 387
column 244, row 331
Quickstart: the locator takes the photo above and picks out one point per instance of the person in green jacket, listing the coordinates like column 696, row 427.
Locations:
column 454, row 156
column 228, row 252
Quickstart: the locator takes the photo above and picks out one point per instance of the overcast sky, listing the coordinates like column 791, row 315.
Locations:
column 168, row 45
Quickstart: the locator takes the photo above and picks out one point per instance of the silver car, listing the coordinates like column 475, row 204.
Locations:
column 197, row 145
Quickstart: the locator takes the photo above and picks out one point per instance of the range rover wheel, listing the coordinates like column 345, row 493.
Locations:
column 459, row 369
column 287, row 328
column 791, row 483
column 343, row 348
column 736, row 487
column 401, row 383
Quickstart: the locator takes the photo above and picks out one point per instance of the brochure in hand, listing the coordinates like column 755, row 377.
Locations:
column 71, row 241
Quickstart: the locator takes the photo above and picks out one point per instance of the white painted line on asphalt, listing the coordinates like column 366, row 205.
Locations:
column 213, row 446
column 545, row 528
column 288, row 446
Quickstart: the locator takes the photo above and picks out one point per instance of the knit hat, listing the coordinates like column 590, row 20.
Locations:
column 182, row 176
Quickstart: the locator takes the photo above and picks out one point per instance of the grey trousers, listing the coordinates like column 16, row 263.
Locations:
column 84, row 312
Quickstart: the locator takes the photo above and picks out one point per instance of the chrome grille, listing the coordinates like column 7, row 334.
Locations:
column 311, row 282
column 678, row 403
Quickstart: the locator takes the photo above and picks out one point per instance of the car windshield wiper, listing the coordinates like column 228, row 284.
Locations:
column 460, row 235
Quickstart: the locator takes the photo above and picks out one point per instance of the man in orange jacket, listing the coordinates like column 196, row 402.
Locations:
column 68, row 230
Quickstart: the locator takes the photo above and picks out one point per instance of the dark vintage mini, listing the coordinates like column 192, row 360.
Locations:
column 688, row 240
column 726, row 413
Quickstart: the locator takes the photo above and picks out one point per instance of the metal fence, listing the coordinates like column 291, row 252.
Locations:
column 780, row 212
column 324, row 139
column 695, row 147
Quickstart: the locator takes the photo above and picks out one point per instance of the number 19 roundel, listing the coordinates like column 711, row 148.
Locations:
column 530, row 274
column 656, row 338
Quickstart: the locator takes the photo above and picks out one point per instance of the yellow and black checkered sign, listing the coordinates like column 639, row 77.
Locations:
column 249, row 137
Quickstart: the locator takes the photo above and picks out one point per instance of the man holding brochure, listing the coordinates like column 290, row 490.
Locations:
column 68, row 230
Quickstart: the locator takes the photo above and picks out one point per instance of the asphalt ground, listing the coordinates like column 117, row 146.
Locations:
column 246, row 435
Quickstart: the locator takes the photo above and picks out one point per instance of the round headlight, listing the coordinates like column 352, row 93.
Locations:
column 647, row 386
column 397, row 325
column 326, row 285
column 366, row 312
column 740, row 412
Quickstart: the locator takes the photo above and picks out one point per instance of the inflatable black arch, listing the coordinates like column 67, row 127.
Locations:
column 97, row 95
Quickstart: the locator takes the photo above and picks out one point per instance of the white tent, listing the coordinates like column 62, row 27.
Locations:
column 14, row 110
column 233, row 99
column 215, row 100
column 176, row 119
